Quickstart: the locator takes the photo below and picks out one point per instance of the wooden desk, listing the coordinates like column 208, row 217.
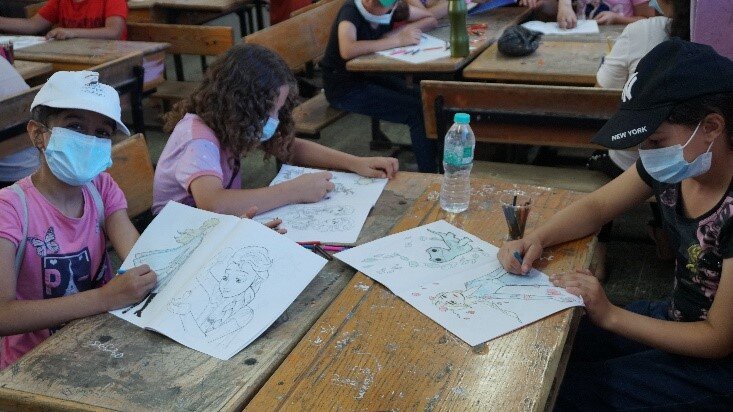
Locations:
column 140, row 11
column 497, row 20
column 203, row 11
column 554, row 62
column 29, row 70
column 71, row 371
column 372, row 351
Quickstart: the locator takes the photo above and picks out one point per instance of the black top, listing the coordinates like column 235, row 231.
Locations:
column 336, row 80
column 701, row 245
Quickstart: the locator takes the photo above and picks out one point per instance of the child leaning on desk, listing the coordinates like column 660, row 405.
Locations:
column 68, row 19
column 676, row 353
column 364, row 27
column 245, row 102
column 53, row 223
column 603, row 11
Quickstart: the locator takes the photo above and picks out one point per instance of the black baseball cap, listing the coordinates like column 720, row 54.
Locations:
column 671, row 73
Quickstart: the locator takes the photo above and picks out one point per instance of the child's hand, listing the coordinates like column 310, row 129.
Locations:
column 380, row 167
column 60, row 33
column 529, row 248
column 607, row 17
column 273, row 224
column 409, row 36
column 582, row 283
column 566, row 18
column 310, row 187
column 131, row 287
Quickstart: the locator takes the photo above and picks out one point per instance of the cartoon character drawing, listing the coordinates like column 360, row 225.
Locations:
column 166, row 262
column 327, row 218
column 220, row 306
column 455, row 247
column 496, row 290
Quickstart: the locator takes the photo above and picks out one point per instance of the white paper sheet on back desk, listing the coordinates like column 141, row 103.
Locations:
column 455, row 279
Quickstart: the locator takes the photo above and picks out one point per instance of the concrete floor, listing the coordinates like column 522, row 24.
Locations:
column 633, row 269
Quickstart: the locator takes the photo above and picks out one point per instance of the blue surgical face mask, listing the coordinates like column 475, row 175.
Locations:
column 668, row 164
column 76, row 158
column 383, row 19
column 655, row 5
column 269, row 129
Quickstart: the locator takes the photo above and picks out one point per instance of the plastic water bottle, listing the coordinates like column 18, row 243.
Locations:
column 455, row 193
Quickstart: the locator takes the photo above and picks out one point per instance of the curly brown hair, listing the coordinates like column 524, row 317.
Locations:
column 234, row 99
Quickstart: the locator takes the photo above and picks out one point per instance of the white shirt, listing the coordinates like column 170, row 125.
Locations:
column 637, row 39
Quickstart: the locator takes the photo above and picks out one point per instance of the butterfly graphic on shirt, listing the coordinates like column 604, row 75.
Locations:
column 46, row 245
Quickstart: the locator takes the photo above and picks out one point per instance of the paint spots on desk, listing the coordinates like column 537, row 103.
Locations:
column 458, row 391
column 359, row 377
column 106, row 346
column 432, row 402
column 361, row 286
column 324, row 334
column 348, row 337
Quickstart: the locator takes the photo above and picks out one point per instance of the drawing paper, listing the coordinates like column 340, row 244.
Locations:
column 430, row 48
column 338, row 218
column 222, row 280
column 456, row 279
column 21, row 42
column 583, row 27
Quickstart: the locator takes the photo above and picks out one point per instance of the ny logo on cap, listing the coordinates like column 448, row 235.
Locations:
column 626, row 94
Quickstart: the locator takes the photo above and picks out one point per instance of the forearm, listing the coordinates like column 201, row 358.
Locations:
column 22, row 26
column 697, row 339
column 579, row 219
column 21, row 316
column 121, row 232
column 311, row 154
column 109, row 33
column 425, row 24
column 350, row 50
column 237, row 201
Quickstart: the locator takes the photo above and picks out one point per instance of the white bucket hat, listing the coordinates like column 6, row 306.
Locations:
column 81, row 90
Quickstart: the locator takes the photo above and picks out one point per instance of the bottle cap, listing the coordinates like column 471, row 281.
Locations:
column 462, row 118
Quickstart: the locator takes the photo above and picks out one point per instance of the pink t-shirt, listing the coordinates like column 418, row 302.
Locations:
column 192, row 151
column 63, row 255
column 591, row 8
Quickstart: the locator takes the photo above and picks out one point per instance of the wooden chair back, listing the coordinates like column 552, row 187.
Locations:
column 184, row 39
column 133, row 171
column 301, row 39
column 520, row 114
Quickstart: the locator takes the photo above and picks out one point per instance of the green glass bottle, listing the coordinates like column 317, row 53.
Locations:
column 458, row 33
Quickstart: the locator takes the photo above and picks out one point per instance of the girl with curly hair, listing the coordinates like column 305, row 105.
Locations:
column 245, row 102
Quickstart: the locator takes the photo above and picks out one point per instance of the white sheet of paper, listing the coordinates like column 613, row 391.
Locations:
column 20, row 42
column 338, row 218
column 430, row 48
column 455, row 279
column 583, row 27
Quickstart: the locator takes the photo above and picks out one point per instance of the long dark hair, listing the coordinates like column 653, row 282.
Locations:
column 691, row 112
column 234, row 99
column 680, row 24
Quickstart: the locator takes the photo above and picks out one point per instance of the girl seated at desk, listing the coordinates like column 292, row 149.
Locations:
column 676, row 353
column 245, row 102
column 68, row 19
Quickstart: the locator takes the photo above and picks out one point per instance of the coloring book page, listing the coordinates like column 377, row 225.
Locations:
column 338, row 218
column 478, row 307
column 583, row 27
column 417, row 256
column 226, row 279
column 456, row 279
column 429, row 48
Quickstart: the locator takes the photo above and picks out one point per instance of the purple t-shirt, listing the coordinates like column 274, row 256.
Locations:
column 192, row 151
column 63, row 255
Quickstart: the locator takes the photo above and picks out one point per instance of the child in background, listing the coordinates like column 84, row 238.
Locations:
column 619, row 65
column 673, row 354
column 244, row 102
column 53, row 223
column 92, row 19
column 603, row 11
column 364, row 27
column 22, row 160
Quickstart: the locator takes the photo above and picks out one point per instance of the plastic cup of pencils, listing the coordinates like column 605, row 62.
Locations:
column 516, row 205
column 6, row 51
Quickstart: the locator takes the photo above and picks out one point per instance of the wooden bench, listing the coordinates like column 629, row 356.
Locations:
column 301, row 41
column 133, row 171
column 560, row 116
column 183, row 39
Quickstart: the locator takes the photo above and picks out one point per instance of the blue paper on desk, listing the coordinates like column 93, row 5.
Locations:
column 490, row 5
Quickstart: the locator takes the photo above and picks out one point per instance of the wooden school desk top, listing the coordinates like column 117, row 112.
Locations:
column 89, row 52
column 497, row 20
column 103, row 362
column 29, row 69
column 372, row 351
column 554, row 62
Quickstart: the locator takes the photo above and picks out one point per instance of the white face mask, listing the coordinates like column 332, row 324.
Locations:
column 269, row 129
column 384, row 19
column 668, row 164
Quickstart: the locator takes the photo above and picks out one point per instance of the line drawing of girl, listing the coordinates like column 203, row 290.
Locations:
column 219, row 307
column 166, row 262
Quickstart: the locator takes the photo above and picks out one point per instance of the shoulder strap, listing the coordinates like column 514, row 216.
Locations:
column 97, row 199
column 24, row 225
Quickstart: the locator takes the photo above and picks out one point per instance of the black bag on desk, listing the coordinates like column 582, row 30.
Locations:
column 519, row 41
